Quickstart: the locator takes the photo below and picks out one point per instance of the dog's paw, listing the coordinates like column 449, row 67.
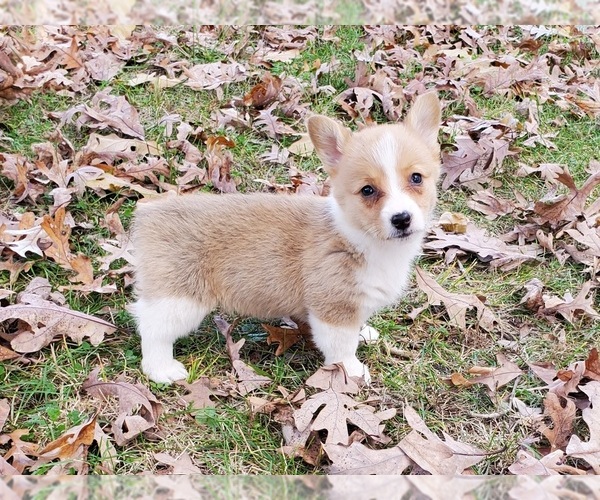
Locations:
column 354, row 368
column 166, row 372
column 368, row 335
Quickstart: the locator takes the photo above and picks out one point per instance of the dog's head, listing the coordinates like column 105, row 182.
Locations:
column 384, row 177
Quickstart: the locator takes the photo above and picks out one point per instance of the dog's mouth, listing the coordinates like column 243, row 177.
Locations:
column 404, row 234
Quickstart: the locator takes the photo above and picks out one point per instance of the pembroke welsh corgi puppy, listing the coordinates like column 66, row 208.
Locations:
column 330, row 261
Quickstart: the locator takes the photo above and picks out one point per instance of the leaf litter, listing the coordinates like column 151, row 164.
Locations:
column 118, row 161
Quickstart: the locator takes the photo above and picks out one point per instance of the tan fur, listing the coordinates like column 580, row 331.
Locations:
column 328, row 261
column 256, row 255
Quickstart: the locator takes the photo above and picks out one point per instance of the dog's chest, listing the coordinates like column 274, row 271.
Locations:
column 384, row 278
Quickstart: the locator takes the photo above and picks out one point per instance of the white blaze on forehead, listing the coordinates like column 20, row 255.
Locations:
column 385, row 152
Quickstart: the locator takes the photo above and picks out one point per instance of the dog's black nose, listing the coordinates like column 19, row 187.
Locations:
column 401, row 221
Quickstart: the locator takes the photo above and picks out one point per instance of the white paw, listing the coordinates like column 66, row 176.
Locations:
column 354, row 368
column 368, row 335
column 164, row 372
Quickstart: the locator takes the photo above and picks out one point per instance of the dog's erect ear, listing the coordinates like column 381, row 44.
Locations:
column 425, row 118
column 328, row 137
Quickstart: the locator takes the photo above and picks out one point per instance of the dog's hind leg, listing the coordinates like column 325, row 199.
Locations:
column 160, row 323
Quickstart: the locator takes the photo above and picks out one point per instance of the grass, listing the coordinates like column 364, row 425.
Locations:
column 45, row 394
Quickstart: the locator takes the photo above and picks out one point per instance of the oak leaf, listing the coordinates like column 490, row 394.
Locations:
column 200, row 393
column 105, row 111
column 358, row 459
column 138, row 407
column 183, row 464
column 20, row 451
column 4, row 411
column 46, row 321
column 285, row 337
column 71, row 445
column 333, row 377
column 436, row 456
column 548, row 465
column 457, row 304
column 486, row 247
column 332, row 411
column 247, row 378
column 569, row 207
column 493, row 378
column 589, row 450
column 561, row 411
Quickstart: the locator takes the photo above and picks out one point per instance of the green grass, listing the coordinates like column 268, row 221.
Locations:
column 46, row 395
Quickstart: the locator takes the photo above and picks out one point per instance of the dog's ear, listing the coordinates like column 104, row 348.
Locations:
column 328, row 137
column 425, row 118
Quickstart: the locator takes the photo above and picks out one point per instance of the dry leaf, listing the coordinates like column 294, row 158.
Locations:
column 105, row 111
column 138, row 407
column 283, row 337
column 183, row 464
column 20, row 451
column 453, row 222
column 561, row 412
column 358, row 459
column 333, row 377
column 568, row 207
column 487, row 248
column 332, row 411
column 571, row 307
column 72, row 445
column 546, row 466
column 47, row 321
column 248, row 379
column 264, row 93
column 447, row 457
column 456, row 304
column 200, row 393
column 589, row 450
column 4, row 412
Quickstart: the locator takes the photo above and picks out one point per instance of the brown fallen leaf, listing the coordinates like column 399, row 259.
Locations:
column 20, row 451
column 333, row 377
column 492, row 206
column 220, row 162
column 46, row 321
column 332, row 411
column 494, row 378
column 71, row 446
column 4, row 412
column 263, row 93
column 548, row 465
column 561, row 411
column 105, row 111
column 183, row 464
column 589, row 450
column 200, row 393
column 456, row 304
column 248, row 379
column 568, row 207
column 15, row 268
column 592, row 365
column 453, row 222
column 59, row 251
column 428, row 451
column 488, row 249
column 359, row 459
column 138, row 407
column 284, row 337
column 570, row 307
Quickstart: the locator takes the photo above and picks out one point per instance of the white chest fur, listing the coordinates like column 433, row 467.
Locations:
column 384, row 279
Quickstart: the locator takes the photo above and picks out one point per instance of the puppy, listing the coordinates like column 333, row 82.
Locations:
column 330, row 261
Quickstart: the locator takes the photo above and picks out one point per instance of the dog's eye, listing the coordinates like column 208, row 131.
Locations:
column 416, row 178
column 367, row 191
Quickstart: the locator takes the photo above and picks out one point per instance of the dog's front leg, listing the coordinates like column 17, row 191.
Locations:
column 338, row 343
